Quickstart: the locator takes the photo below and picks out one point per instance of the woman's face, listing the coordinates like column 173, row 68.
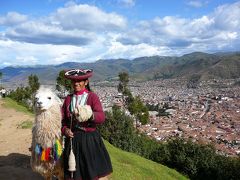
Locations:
column 79, row 85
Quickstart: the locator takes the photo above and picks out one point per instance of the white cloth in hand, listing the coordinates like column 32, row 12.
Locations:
column 83, row 113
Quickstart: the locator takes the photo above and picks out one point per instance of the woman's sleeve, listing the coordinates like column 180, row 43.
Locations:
column 98, row 114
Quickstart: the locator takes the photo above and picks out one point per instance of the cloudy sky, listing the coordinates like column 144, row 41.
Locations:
column 57, row 31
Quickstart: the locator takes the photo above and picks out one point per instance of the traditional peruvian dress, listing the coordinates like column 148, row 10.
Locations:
column 92, row 158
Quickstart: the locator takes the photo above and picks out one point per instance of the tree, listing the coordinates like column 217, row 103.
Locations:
column 118, row 129
column 63, row 82
column 124, row 77
column 123, row 84
column 33, row 83
column 120, row 87
column 33, row 86
column 123, row 87
column 135, row 105
column 137, row 108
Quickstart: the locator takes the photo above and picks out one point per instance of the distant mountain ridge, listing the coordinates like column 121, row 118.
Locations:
column 222, row 65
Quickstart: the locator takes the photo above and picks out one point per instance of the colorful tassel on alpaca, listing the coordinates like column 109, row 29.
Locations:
column 58, row 150
column 47, row 154
column 43, row 155
column 38, row 149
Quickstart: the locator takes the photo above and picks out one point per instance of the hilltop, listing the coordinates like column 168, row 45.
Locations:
column 15, row 132
column 207, row 66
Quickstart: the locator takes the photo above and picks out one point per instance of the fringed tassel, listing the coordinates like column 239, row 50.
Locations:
column 47, row 154
column 58, row 150
column 43, row 155
column 38, row 150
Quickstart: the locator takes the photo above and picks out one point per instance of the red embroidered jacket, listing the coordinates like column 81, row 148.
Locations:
column 90, row 125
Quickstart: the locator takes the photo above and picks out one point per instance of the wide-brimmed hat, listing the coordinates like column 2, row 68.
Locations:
column 78, row 74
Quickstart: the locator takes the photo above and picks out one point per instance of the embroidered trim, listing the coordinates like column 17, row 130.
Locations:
column 78, row 100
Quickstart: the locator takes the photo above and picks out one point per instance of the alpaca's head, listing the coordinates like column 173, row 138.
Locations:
column 45, row 98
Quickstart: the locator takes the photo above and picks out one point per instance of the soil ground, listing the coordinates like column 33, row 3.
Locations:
column 14, row 144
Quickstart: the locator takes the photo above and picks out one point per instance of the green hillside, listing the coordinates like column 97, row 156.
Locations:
column 9, row 103
column 228, row 67
column 125, row 165
column 131, row 166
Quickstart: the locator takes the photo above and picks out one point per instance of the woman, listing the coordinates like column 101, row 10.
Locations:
column 82, row 111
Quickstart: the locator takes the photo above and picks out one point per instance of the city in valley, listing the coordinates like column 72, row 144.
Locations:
column 209, row 113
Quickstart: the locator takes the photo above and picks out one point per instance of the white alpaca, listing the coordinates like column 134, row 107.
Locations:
column 45, row 132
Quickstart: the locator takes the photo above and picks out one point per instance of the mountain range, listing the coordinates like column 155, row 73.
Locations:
column 207, row 66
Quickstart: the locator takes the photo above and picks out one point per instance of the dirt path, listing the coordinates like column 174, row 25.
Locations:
column 14, row 144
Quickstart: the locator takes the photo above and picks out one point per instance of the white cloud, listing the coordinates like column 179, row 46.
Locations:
column 72, row 25
column 117, row 50
column 40, row 33
column 85, row 33
column 226, row 17
column 27, row 59
column 6, row 64
column 12, row 18
column 17, row 53
column 86, row 17
column 127, row 3
column 180, row 34
column 196, row 4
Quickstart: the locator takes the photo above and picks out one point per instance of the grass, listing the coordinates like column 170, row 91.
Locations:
column 25, row 124
column 131, row 166
column 9, row 103
column 125, row 165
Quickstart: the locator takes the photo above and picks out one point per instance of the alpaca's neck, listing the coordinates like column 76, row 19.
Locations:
column 47, row 127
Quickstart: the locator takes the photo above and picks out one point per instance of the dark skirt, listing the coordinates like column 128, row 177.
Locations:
column 92, row 158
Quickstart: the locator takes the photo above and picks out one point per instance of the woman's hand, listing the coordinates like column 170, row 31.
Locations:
column 68, row 133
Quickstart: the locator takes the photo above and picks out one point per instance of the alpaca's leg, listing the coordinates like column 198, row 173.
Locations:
column 58, row 170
